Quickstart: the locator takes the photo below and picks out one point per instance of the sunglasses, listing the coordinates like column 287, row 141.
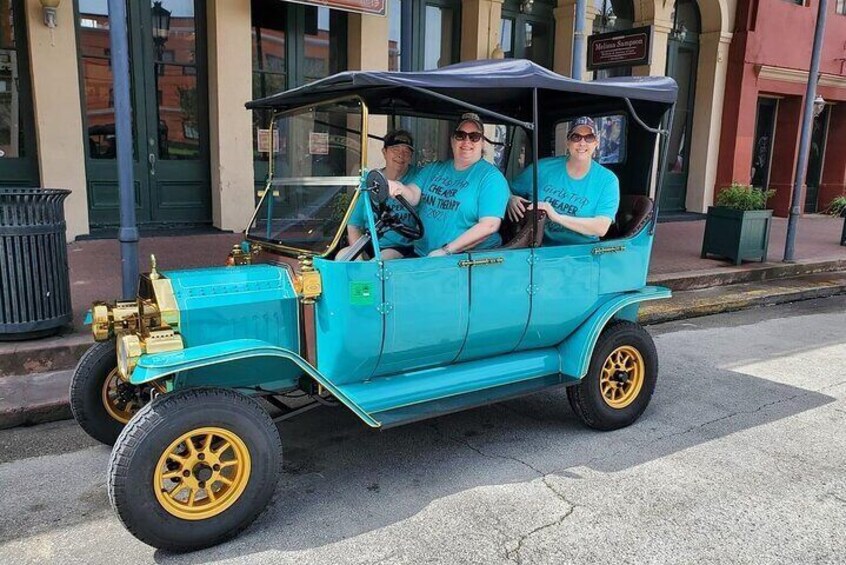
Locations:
column 474, row 136
column 577, row 137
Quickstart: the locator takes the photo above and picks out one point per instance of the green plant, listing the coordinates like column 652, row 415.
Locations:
column 743, row 197
column 837, row 207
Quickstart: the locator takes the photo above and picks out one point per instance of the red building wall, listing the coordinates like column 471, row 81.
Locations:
column 779, row 34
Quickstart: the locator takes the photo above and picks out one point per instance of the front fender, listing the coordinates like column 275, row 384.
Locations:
column 576, row 350
column 158, row 365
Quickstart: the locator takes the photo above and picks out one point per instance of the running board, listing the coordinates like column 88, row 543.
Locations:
column 417, row 395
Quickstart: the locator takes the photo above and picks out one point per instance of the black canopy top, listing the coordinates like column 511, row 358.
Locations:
column 502, row 86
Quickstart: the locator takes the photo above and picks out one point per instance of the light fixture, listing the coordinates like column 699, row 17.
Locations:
column 679, row 32
column 819, row 105
column 48, row 7
column 526, row 6
column 160, row 24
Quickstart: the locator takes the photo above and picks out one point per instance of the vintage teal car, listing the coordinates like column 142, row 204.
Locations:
column 189, row 380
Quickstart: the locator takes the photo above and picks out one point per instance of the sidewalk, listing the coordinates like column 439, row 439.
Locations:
column 699, row 289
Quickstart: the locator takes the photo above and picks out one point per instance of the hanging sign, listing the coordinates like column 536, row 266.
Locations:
column 374, row 7
column 624, row 48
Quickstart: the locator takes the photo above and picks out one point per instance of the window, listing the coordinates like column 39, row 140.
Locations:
column 422, row 34
column 840, row 7
column 612, row 138
column 527, row 33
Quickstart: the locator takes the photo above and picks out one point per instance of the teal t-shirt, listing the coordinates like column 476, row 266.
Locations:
column 389, row 238
column 451, row 202
column 595, row 194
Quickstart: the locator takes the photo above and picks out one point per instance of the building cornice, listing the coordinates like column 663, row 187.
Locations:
column 768, row 72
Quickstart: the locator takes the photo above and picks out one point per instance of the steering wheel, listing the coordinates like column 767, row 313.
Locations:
column 377, row 185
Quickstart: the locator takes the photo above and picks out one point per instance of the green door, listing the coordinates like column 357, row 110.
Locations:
column 169, row 118
column 18, row 163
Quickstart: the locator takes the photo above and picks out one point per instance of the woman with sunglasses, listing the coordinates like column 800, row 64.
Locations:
column 461, row 201
column 579, row 196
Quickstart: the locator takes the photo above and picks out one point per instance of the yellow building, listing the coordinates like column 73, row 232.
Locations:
column 199, row 155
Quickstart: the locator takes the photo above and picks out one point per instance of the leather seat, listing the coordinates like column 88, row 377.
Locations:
column 634, row 213
column 518, row 235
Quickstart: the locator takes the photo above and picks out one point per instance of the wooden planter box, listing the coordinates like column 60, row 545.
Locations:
column 737, row 235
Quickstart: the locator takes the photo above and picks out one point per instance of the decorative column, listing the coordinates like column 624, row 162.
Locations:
column 367, row 49
column 480, row 28
column 707, row 119
column 565, row 27
column 661, row 29
column 230, row 125
column 57, row 106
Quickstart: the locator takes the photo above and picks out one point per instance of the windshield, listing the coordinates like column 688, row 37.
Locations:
column 316, row 168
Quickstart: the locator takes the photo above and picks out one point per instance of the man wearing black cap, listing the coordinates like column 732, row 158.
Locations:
column 579, row 196
column 398, row 150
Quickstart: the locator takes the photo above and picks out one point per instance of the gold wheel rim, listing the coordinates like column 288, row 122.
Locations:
column 202, row 473
column 622, row 377
column 112, row 401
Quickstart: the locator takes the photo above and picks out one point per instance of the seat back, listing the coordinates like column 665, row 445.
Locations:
column 518, row 235
column 633, row 215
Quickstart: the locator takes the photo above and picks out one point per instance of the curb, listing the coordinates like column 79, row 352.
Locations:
column 43, row 355
column 31, row 399
column 686, row 304
column 724, row 276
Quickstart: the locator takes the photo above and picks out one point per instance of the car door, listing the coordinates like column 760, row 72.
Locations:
column 425, row 312
column 565, row 286
column 499, row 301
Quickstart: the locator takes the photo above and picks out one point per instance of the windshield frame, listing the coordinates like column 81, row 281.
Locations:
column 273, row 182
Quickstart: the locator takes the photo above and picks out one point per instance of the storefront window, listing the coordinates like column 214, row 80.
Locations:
column 438, row 39
column 12, row 130
column 394, row 34
column 526, row 31
column 292, row 45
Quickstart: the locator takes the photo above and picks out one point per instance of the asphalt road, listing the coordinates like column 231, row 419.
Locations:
column 741, row 458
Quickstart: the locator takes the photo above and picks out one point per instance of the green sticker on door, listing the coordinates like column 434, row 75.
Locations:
column 361, row 293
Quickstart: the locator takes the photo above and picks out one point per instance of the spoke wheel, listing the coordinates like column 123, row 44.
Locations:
column 194, row 467
column 620, row 379
column 119, row 400
column 202, row 473
column 622, row 376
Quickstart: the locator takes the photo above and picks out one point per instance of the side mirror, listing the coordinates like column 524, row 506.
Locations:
column 376, row 183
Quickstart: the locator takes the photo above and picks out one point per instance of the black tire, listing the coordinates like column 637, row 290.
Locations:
column 149, row 435
column 86, row 390
column 587, row 399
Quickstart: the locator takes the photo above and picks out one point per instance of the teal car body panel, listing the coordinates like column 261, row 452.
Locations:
column 225, row 354
column 576, row 350
column 245, row 302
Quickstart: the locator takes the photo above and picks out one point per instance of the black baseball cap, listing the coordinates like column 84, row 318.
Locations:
column 399, row 137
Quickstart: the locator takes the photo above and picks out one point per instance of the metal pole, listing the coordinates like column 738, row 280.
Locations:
column 579, row 40
column 128, row 234
column 805, row 137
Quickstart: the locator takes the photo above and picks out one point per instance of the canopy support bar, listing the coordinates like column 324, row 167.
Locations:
column 662, row 167
column 642, row 124
column 478, row 109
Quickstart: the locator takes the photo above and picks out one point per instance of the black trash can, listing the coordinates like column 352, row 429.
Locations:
column 34, row 280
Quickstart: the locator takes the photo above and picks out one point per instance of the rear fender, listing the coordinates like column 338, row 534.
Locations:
column 217, row 357
column 577, row 349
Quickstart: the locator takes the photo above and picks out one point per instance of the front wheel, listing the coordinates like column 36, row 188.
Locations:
column 101, row 402
column 621, row 378
column 214, row 457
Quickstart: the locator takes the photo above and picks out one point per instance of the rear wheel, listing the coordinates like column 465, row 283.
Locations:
column 101, row 402
column 621, row 378
column 194, row 468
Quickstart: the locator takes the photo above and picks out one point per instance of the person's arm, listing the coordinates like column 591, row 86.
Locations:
column 411, row 192
column 521, row 188
column 482, row 230
column 597, row 225
column 354, row 233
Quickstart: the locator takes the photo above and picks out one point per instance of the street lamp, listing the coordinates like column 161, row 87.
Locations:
column 161, row 27
column 819, row 106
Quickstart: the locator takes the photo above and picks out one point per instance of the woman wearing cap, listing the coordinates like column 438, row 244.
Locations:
column 398, row 149
column 461, row 201
column 579, row 196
